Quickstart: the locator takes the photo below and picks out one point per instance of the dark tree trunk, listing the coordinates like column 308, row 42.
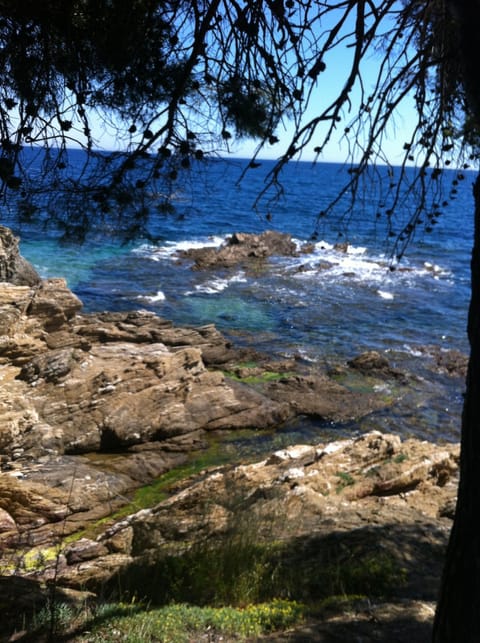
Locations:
column 458, row 612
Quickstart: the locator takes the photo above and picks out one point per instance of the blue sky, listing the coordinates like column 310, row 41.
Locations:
column 328, row 87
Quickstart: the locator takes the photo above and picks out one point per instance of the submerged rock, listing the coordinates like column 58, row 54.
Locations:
column 318, row 396
column 373, row 363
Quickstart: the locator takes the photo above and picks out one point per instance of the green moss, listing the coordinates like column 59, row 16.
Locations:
column 264, row 377
column 151, row 494
column 358, row 382
column 250, row 364
column 37, row 558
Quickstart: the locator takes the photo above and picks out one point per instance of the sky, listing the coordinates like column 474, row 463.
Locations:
column 330, row 83
column 327, row 88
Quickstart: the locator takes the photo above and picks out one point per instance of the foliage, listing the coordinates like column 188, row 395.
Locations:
column 61, row 614
column 243, row 569
column 218, row 579
column 235, row 589
column 236, row 571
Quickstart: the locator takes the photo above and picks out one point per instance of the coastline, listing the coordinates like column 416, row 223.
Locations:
column 97, row 406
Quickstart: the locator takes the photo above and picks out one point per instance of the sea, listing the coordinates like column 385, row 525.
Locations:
column 324, row 306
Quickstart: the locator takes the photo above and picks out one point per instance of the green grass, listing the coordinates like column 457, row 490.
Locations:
column 236, row 571
column 181, row 623
column 206, row 593
column 239, row 586
column 241, row 569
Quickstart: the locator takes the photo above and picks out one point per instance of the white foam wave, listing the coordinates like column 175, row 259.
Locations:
column 215, row 286
column 413, row 351
column 170, row 248
column 432, row 267
column 435, row 270
column 304, row 354
column 323, row 262
column 339, row 248
column 349, row 263
column 385, row 295
column 159, row 296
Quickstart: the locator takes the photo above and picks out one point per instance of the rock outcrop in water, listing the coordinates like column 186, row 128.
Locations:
column 242, row 248
column 13, row 267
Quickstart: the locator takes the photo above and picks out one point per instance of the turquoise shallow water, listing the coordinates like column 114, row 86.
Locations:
column 293, row 307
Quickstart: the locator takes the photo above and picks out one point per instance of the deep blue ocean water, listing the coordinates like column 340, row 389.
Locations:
column 294, row 307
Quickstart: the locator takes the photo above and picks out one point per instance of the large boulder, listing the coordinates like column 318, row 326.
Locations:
column 32, row 316
column 119, row 394
column 332, row 487
column 140, row 327
column 113, row 380
column 318, row 396
column 54, row 304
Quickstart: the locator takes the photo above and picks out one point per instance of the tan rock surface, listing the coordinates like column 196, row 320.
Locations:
column 73, row 384
column 374, row 492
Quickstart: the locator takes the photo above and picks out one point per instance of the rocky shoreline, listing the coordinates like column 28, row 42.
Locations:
column 95, row 406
